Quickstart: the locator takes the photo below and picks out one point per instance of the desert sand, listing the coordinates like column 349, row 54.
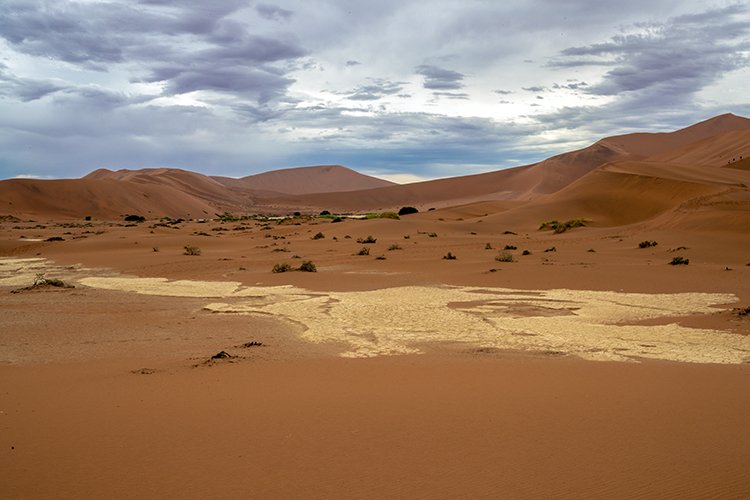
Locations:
column 533, row 364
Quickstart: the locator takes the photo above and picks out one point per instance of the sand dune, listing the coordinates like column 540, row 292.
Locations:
column 304, row 180
column 179, row 193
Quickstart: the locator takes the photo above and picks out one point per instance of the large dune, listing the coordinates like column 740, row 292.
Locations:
column 616, row 180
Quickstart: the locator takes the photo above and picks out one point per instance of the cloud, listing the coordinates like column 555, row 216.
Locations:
column 436, row 78
column 273, row 12
column 352, row 62
column 674, row 59
column 535, row 88
column 376, row 89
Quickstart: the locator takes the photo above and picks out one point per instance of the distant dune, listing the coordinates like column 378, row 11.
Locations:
column 617, row 180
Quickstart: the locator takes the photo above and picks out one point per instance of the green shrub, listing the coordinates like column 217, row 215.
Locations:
column 679, row 261
column 389, row 215
column 407, row 211
column 191, row 250
column 325, row 212
column 561, row 227
column 504, row 257
column 319, row 236
column 394, row 247
column 308, row 267
column 647, row 244
column 367, row 240
column 281, row 268
column 364, row 251
column 134, row 218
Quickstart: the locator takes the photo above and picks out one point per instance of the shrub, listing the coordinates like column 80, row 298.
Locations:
column 281, row 268
column 191, row 250
column 325, row 212
column 369, row 239
column 550, row 249
column 646, row 244
column 88, row 217
column 55, row 238
column 744, row 312
column 297, row 214
column 488, row 246
column 380, row 257
column 449, row 256
column 679, row 261
column 504, row 257
column 509, row 232
column 432, row 235
column 389, row 215
column 364, row 251
column 510, row 247
column 407, row 211
column 227, row 217
column 394, row 247
column 134, row 218
column 336, row 219
column 319, row 236
column 561, row 227
column 308, row 267
column 526, row 252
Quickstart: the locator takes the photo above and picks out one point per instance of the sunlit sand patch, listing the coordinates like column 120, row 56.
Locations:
column 591, row 324
column 20, row 272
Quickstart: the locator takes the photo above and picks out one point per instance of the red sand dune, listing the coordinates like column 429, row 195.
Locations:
column 589, row 182
column 305, row 180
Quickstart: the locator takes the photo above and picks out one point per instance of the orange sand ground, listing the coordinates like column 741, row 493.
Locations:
column 107, row 393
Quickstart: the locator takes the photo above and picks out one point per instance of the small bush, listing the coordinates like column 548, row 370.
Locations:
column 319, row 236
column 325, row 212
column 561, row 227
column 394, row 247
column 510, row 232
column 336, row 219
column 281, row 268
column 647, row 244
column 367, row 240
column 510, row 247
column 504, row 257
column 407, row 211
column 679, row 261
column 591, row 250
column 55, row 238
column 380, row 257
column 191, row 250
column 364, row 251
column 432, row 235
column 550, row 249
column 156, row 249
column 526, row 252
column 308, row 267
column 449, row 256
column 389, row 215
column 134, row 218
column 488, row 246
column 744, row 311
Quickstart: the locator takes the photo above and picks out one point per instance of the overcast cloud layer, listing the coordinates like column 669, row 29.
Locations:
column 402, row 90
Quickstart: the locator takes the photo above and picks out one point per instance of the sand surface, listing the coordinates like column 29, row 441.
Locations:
column 531, row 365
column 568, row 373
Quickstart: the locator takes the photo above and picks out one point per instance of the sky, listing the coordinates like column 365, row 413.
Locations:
column 403, row 90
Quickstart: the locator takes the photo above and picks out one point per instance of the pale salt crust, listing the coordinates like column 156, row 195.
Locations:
column 590, row 324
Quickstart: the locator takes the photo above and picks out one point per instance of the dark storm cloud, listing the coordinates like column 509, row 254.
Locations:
column 436, row 78
column 680, row 56
column 273, row 12
column 188, row 49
